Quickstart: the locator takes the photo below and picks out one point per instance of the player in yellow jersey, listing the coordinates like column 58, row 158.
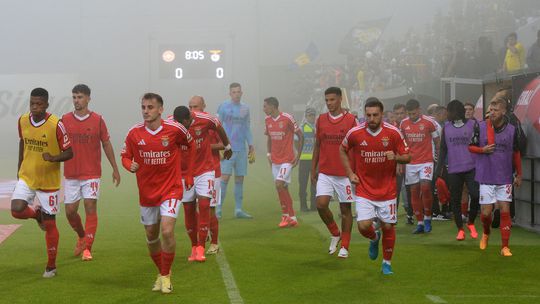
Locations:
column 43, row 144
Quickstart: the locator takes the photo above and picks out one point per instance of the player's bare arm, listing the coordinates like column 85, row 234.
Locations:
column 315, row 161
column 345, row 161
column 21, row 156
column 109, row 152
column 63, row 156
column 299, row 146
column 192, row 155
column 226, row 143
column 269, row 149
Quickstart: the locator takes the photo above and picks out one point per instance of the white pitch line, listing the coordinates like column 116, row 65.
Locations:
column 228, row 278
column 436, row 299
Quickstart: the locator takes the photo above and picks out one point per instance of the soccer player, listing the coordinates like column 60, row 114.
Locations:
column 199, row 124
column 152, row 151
column 235, row 117
column 197, row 104
column 280, row 128
column 87, row 132
column 455, row 139
column 420, row 132
column 496, row 142
column 376, row 148
column 43, row 144
column 328, row 172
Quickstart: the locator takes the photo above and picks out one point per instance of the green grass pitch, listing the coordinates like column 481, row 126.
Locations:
column 269, row 265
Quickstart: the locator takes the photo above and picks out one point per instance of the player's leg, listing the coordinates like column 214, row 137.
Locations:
column 325, row 191
column 386, row 212
column 204, row 189
column 90, row 227
column 49, row 208
column 169, row 212
column 426, row 181
column 150, row 220
column 412, row 179
column 465, row 201
column 190, row 219
column 344, row 190
column 455, row 185
column 72, row 197
column 240, row 170
column 214, row 221
column 22, row 197
column 365, row 212
column 409, row 208
column 90, row 193
column 226, row 172
column 473, row 192
column 504, row 199
column 487, row 202
column 282, row 177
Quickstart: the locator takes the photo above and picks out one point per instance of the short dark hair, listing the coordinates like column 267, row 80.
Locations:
column 181, row 113
column 81, row 88
column 412, row 104
column 469, row 104
column 272, row 101
column 398, row 106
column 499, row 101
column 155, row 96
column 234, row 85
column 514, row 34
column 333, row 90
column 457, row 108
column 40, row 92
column 372, row 102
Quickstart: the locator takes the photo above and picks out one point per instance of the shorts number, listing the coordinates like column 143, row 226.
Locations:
column 282, row 171
column 393, row 209
column 427, row 171
column 348, row 190
column 94, row 186
column 210, row 184
column 53, row 199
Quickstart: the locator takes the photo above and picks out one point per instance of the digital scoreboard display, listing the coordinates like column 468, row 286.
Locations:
column 177, row 61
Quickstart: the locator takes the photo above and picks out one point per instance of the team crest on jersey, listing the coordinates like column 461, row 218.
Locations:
column 385, row 141
column 198, row 131
column 165, row 141
column 421, row 127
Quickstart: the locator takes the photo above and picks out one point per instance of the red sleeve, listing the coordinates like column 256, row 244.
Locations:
column 103, row 131
column 475, row 149
column 401, row 145
column 516, row 157
column 62, row 136
column 348, row 141
column 127, row 153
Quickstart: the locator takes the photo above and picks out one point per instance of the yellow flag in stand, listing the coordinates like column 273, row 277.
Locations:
column 345, row 99
column 302, row 60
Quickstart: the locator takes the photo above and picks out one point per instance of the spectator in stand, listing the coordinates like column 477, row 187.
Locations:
column 461, row 61
column 486, row 59
column 514, row 59
column 533, row 57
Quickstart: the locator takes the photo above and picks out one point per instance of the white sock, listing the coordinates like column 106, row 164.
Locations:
column 387, row 262
column 421, row 223
column 427, row 217
column 293, row 217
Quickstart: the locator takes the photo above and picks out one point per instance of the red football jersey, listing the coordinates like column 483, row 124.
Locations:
column 330, row 133
column 377, row 174
column 215, row 139
column 199, row 129
column 281, row 132
column 419, row 136
column 158, row 153
column 86, row 135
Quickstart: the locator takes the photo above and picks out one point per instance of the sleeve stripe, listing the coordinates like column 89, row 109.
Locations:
column 353, row 130
column 62, row 128
column 177, row 125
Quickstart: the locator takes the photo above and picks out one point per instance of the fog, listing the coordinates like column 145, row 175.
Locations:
column 115, row 47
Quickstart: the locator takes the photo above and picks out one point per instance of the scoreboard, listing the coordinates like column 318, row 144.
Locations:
column 192, row 61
